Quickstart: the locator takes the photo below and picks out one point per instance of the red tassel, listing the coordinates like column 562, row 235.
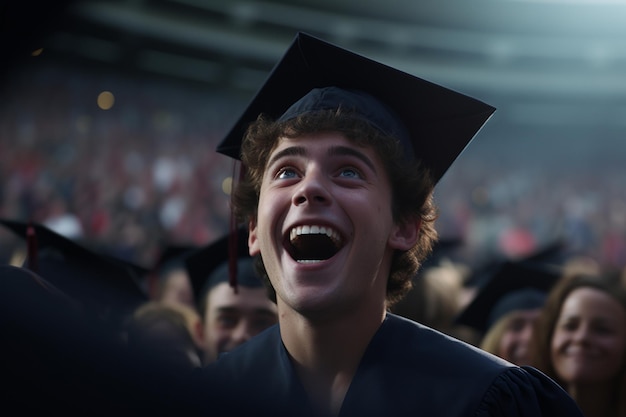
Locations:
column 233, row 253
column 31, row 248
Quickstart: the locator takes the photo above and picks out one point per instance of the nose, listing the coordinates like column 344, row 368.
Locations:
column 581, row 334
column 242, row 333
column 312, row 189
column 526, row 333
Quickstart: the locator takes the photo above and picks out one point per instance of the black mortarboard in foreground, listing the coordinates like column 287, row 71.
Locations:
column 49, row 351
column 209, row 265
column 434, row 122
column 99, row 282
column 22, row 283
column 515, row 285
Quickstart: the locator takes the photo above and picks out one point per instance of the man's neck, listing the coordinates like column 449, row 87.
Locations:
column 326, row 354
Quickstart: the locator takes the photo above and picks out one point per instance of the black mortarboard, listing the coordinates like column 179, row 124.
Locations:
column 99, row 282
column 172, row 253
column 555, row 253
column 49, row 351
column 209, row 265
column 437, row 122
column 514, row 285
column 22, row 283
column 443, row 248
column 171, row 256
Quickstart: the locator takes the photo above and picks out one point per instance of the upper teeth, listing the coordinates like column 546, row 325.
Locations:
column 314, row 230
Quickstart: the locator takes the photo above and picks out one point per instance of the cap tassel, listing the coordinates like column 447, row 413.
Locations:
column 31, row 247
column 233, row 244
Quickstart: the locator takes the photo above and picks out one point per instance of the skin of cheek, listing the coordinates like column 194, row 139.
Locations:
column 506, row 346
column 605, row 352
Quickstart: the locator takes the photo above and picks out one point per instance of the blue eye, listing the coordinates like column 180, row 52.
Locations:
column 349, row 173
column 286, row 173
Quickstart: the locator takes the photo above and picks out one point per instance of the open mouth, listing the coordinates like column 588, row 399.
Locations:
column 313, row 243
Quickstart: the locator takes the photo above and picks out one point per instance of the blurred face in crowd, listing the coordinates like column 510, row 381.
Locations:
column 177, row 288
column 231, row 319
column 589, row 339
column 517, row 336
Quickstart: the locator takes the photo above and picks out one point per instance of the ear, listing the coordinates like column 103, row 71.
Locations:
column 253, row 241
column 405, row 234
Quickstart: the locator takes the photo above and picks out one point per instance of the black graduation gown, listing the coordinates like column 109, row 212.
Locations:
column 407, row 370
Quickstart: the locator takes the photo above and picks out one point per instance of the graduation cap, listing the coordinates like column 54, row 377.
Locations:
column 515, row 285
column 433, row 123
column 18, row 282
column 443, row 249
column 102, row 282
column 49, row 351
column 210, row 265
column 171, row 257
column 110, row 252
column 555, row 252
column 436, row 123
column 172, row 254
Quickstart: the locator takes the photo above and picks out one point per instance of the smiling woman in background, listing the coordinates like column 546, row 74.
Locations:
column 580, row 342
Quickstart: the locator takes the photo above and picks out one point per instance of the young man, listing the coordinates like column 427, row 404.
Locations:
column 340, row 171
column 230, row 316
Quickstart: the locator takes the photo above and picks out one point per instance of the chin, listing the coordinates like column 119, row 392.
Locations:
column 318, row 307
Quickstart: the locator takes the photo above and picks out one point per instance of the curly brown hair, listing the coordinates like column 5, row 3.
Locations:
column 412, row 184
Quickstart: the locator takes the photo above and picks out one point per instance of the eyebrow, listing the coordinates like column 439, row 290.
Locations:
column 348, row 151
column 333, row 151
column 291, row 151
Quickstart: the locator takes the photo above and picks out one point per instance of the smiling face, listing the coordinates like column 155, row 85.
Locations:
column 177, row 288
column 233, row 318
column 324, row 226
column 589, row 339
column 517, row 335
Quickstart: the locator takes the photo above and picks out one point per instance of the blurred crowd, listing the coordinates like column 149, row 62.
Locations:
column 145, row 172
column 143, row 175
column 128, row 178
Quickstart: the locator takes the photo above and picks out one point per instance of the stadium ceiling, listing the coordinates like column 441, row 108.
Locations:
column 546, row 63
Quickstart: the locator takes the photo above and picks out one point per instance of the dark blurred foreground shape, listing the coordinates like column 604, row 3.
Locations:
column 55, row 361
column 105, row 287
column 24, row 26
